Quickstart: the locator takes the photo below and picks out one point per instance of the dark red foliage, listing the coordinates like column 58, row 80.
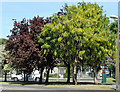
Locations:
column 23, row 46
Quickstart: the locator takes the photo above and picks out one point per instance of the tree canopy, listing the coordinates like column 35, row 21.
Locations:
column 78, row 34
column 2, row 41
column 82, row 33
column 23, row 44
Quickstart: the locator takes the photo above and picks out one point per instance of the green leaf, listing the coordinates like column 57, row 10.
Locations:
column 41, row 40
column 48, row 38
column 45, row 46
column 59, row 39
column 68, row 43
column 55, row 53
column 45, row 51
column 53, row 41
column 65, row 34
column 81, row 53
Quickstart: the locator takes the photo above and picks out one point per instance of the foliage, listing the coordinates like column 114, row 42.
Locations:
column 60, row 65
column 5, row 66
column 76, row 35
column 66, row 74
column 114, row 27
column 22, row 44
column 82, row 32
column 2, row 41
column 53, row 75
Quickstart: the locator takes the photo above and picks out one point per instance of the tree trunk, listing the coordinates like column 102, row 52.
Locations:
column 5, row 76
column 110, row 72
column 27, row 77
column 24, row 76
column 95, row 76
column 75, row 72
column 68, row 77
column 41, row 72
column 102, row 75
column 47, row 76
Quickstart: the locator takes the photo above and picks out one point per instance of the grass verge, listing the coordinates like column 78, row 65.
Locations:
column 111, row 81
column 80, row 86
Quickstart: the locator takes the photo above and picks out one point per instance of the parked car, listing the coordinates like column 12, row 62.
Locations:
column 17, row 76
column 34, row 76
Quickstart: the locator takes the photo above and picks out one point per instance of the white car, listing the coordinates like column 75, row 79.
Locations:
column 17, row 76
column 35, row 75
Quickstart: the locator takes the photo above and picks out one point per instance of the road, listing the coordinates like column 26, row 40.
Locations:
column 61, row 79
column 20, row 88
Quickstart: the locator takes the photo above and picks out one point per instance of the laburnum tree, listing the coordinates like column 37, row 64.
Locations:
column 44, row 46
column 114, row 27
column 82, row 33
column 24, row 51
column 113, row 30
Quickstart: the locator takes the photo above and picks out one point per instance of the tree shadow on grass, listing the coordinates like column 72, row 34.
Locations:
column 24, row 83
column 50, row 83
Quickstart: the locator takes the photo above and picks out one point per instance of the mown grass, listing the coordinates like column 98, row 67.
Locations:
column 111, row 81
column 81, row 85
column 87, row 85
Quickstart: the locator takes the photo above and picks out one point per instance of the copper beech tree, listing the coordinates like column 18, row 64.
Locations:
column 24, row 50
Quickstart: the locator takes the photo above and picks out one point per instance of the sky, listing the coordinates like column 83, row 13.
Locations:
column 20, row 10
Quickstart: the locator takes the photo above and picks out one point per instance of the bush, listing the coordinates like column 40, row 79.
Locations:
column 66, row 74
column 53, row 75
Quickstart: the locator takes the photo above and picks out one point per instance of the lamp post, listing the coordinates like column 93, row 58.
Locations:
column 117, row 59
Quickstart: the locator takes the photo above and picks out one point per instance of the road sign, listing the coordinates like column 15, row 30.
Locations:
column 107, row 72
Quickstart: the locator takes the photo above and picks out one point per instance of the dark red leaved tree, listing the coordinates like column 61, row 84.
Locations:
column 22, row 44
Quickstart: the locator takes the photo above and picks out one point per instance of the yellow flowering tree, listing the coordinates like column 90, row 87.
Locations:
column 82, row 32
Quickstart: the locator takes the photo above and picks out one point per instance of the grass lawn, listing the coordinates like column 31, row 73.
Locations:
column 81, row 85
column 111, row 81
column 85, row 87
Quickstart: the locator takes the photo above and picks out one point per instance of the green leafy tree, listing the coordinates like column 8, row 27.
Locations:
column 114, row 27
column 5, row 65
column 2, row 41
column 113, row 30
column 82, row 33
